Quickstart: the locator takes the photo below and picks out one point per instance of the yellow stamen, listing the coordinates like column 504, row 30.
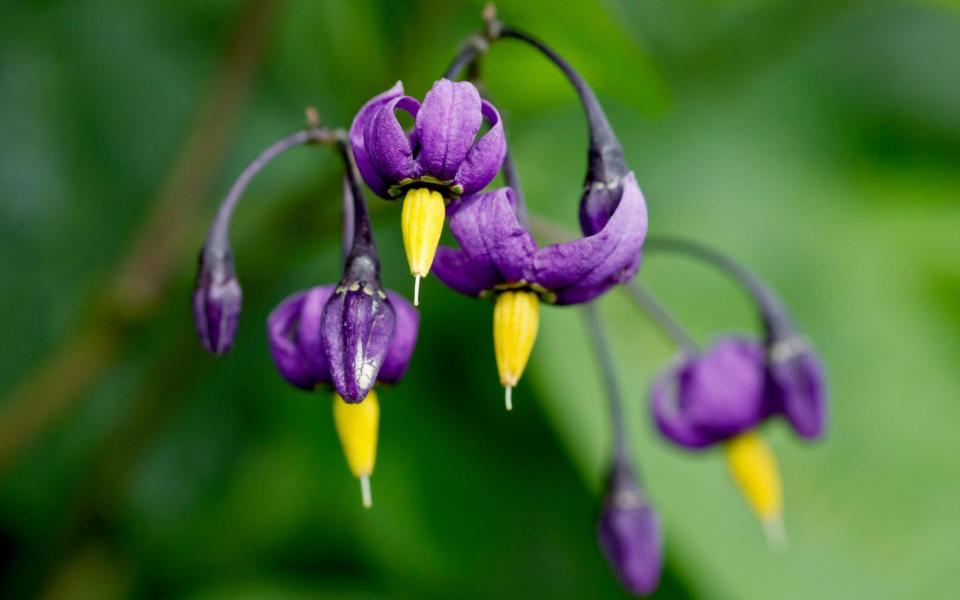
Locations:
column 421, row 222
column 754, row 469
column 357, row 426
column 516, row 317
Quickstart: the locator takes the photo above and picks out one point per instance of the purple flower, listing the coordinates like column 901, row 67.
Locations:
column 731, row 388
column 442, row 149
column 217, row 300
column 310, row 330
column 497, row 253
column 629, row 533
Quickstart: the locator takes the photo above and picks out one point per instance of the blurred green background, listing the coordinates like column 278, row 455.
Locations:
column 817, row 141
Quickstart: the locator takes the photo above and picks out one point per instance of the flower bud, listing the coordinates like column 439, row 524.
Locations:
column 358, row 327
column 217, row 300
column 516, row 318
column 629, row 533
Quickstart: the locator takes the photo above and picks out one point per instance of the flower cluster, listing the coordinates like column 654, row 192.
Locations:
column 348, row 336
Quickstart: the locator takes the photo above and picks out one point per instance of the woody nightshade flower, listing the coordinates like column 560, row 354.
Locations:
column 348, row 336
column 437, row 162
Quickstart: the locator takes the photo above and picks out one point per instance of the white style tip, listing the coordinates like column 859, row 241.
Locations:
column 508, row 397
column 776, row 534
column 416, row 290
column 365, row 491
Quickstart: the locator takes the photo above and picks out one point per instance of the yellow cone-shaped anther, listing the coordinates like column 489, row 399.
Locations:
column 516, row 317
column 357, row 426
column 754, row 469
column 421, row 222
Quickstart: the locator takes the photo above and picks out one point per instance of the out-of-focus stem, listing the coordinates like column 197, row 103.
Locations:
column 604, row 356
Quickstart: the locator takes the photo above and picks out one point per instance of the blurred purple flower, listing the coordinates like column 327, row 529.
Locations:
column 715, row 395
column 629, row 533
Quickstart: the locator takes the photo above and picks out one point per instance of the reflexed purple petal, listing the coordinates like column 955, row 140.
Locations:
column 487, row 225
column 669, row 419
column 485, row 158
column 456, row 271
column 309, row 332
column 712, row 396
column 404, row 340
column 387, row 144
column 446, row 125
column 217, row 302
column 358, row 327
column 581, row 270
column 598, row 204
column 630, row 535
column 282, row 325
column 797, row 388
column 357, row 129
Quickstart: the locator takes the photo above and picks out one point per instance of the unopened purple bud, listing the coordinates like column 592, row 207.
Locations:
column 629, row 533
column 217, row 300
column 358, row 327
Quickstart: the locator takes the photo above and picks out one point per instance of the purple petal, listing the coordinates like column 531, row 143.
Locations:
column 485, row 158
column 630, row 535
column 310, row 333
column 217, row 302
column 494, row 247
column 669, row 419
column 357, row 129
column 797, row 387
column 358, row 327
column 404, row 340
column 461, row 274
column 581, row 270
column 446, row 125
column 285, row 332
column 712, row 396
column 387, row 145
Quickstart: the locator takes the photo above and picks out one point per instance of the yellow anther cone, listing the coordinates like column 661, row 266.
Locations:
column 516, row 317
column 421, row 222
column 754, row 469
column 357, row 426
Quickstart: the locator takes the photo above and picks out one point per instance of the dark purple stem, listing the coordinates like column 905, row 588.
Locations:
column 608, row 371
column 362, row 262
column 605, row 156
column 776, row 321
column 218, row 235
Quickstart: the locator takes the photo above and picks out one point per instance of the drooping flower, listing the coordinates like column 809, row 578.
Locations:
column 499, row 258
column 721, row 396
column 629, row 532
column 439, row 160
column 296, row 332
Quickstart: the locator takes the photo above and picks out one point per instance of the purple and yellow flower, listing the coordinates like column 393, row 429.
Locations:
column 437, row 162
column 300, row 333
column 722, row 395
column 499, row 259
column 629, row 532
